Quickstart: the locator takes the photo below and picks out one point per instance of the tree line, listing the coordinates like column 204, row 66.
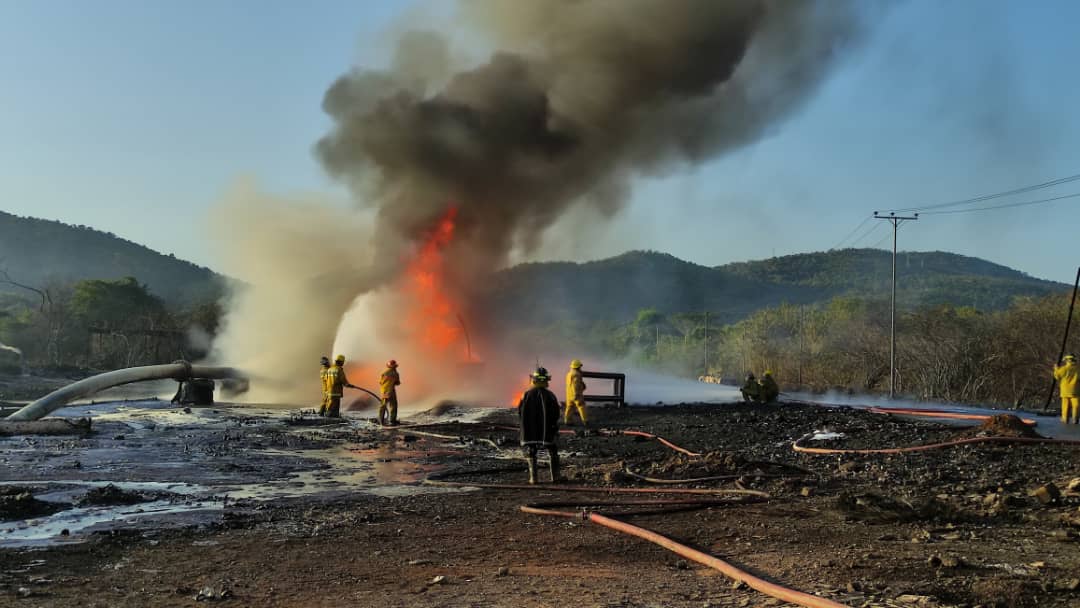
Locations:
column 944, row 352
column 98, row 324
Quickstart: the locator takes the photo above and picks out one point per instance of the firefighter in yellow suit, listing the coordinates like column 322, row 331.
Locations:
column 337, row 381
column 388, row 383
column 324, row 379
column 575, row 394
column 1067, row 374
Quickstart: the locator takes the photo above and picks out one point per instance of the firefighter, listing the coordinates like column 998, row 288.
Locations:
column 337, row 381
column 538, row 415
column 575, row 394
column 324, row 379
column 388, row 382
column 770, row 391
column 751, row 390
column 1067, row 375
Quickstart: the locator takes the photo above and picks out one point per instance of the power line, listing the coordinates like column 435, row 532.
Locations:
column 865, row 234
column 986, row 197
column 1005, row 206
column 850, row 234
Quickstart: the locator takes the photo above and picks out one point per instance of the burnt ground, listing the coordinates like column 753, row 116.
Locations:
column 952, row 527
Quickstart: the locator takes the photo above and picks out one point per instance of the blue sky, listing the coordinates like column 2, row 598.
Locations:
column 134, row 117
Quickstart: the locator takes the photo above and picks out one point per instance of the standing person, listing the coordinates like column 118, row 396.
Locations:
column 324, row 379
column 388, row 382
column 1067, row 374
column 337, row 382
column 538, row 415
column 770, row 391
column 751, row 390
column 575, row 394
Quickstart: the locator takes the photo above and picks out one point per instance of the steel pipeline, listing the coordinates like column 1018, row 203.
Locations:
column 60, row 398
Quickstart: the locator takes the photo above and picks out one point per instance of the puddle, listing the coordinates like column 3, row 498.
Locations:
column 80, row 521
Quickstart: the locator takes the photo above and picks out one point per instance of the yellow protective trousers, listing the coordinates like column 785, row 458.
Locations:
column 325, row 406
column 1070, row 410
column 388, row 405
column 580, row 405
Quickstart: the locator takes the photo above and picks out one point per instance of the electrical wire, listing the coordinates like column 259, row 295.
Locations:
column 852, row 233
column 1005, row 206
column 865, row 234
column 986, row 197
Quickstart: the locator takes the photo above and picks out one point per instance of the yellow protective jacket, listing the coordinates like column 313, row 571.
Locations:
column 575, row 385
column 1067, row 376
column 388, row 380
column 336, row 380
column 324, row 379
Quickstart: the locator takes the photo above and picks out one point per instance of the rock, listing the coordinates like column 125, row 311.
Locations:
column 419, row 562
column 24, row 592
column 210, row 594
column 438, row 580
column 1047, row 494
column 1071, row 585
column 682, row 565
column 806, row 491
column 854, row 587
column 848, row 467
column 738, row 585
column 504, row 571
column 1073, row 487
column 950, row 561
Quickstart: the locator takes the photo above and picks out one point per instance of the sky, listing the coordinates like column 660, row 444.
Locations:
column 135, row 117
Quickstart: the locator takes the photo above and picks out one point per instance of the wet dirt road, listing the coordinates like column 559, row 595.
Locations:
column 335, row 516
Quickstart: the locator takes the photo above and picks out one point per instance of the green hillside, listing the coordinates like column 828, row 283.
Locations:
column 616, row 288
column 37, row 252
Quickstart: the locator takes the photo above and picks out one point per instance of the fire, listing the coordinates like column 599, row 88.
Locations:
column 431, row 317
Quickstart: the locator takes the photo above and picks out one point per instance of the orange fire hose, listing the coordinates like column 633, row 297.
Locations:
column 939, row 414
column 772, row 589
column 798, row 447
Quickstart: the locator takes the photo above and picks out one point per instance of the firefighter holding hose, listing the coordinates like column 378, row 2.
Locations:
column 538, row 415
column 1067, row 374
column 337, row 381
column 575, row 394
column 324, row 379
column 388, row 383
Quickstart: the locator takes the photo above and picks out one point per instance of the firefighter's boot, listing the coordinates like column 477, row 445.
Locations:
column 555, row 476
column 532, row 469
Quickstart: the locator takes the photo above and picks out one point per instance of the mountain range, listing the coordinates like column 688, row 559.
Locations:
column 36, row 252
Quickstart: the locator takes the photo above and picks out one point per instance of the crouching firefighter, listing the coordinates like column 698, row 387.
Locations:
column 538, row 414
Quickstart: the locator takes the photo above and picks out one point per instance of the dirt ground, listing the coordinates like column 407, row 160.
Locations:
column 952, row 527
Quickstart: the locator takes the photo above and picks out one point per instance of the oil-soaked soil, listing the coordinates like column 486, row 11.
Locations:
column 302, row 514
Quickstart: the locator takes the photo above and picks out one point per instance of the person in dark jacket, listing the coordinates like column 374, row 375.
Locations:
column 538, row 415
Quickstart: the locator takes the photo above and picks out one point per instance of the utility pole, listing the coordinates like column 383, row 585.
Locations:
column 895, row 220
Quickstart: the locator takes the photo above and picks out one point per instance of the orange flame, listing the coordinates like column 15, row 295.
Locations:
column 431, row 315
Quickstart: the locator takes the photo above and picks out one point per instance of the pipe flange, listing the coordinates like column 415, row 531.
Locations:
column 187, row 370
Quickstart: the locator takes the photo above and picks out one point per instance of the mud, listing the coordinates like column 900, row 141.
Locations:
column 288, row 513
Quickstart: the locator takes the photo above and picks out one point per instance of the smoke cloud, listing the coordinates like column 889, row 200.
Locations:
column 579, row 97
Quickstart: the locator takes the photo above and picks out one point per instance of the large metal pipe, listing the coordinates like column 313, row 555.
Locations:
column 60, row 398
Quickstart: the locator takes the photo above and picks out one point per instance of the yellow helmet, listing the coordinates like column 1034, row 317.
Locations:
column 339, row 359
column 575, row 364
column 768, row 372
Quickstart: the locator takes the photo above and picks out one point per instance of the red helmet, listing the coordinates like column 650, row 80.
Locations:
column 391, row 363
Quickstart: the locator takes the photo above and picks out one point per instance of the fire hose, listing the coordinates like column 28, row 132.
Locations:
column 798, row 447
column 662, row 506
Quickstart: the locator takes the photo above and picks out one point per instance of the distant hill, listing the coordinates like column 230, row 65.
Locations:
column 36, row 251
column 616, row 288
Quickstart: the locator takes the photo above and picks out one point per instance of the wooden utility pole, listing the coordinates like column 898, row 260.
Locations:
column 895, row 220
column 1065, row 339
